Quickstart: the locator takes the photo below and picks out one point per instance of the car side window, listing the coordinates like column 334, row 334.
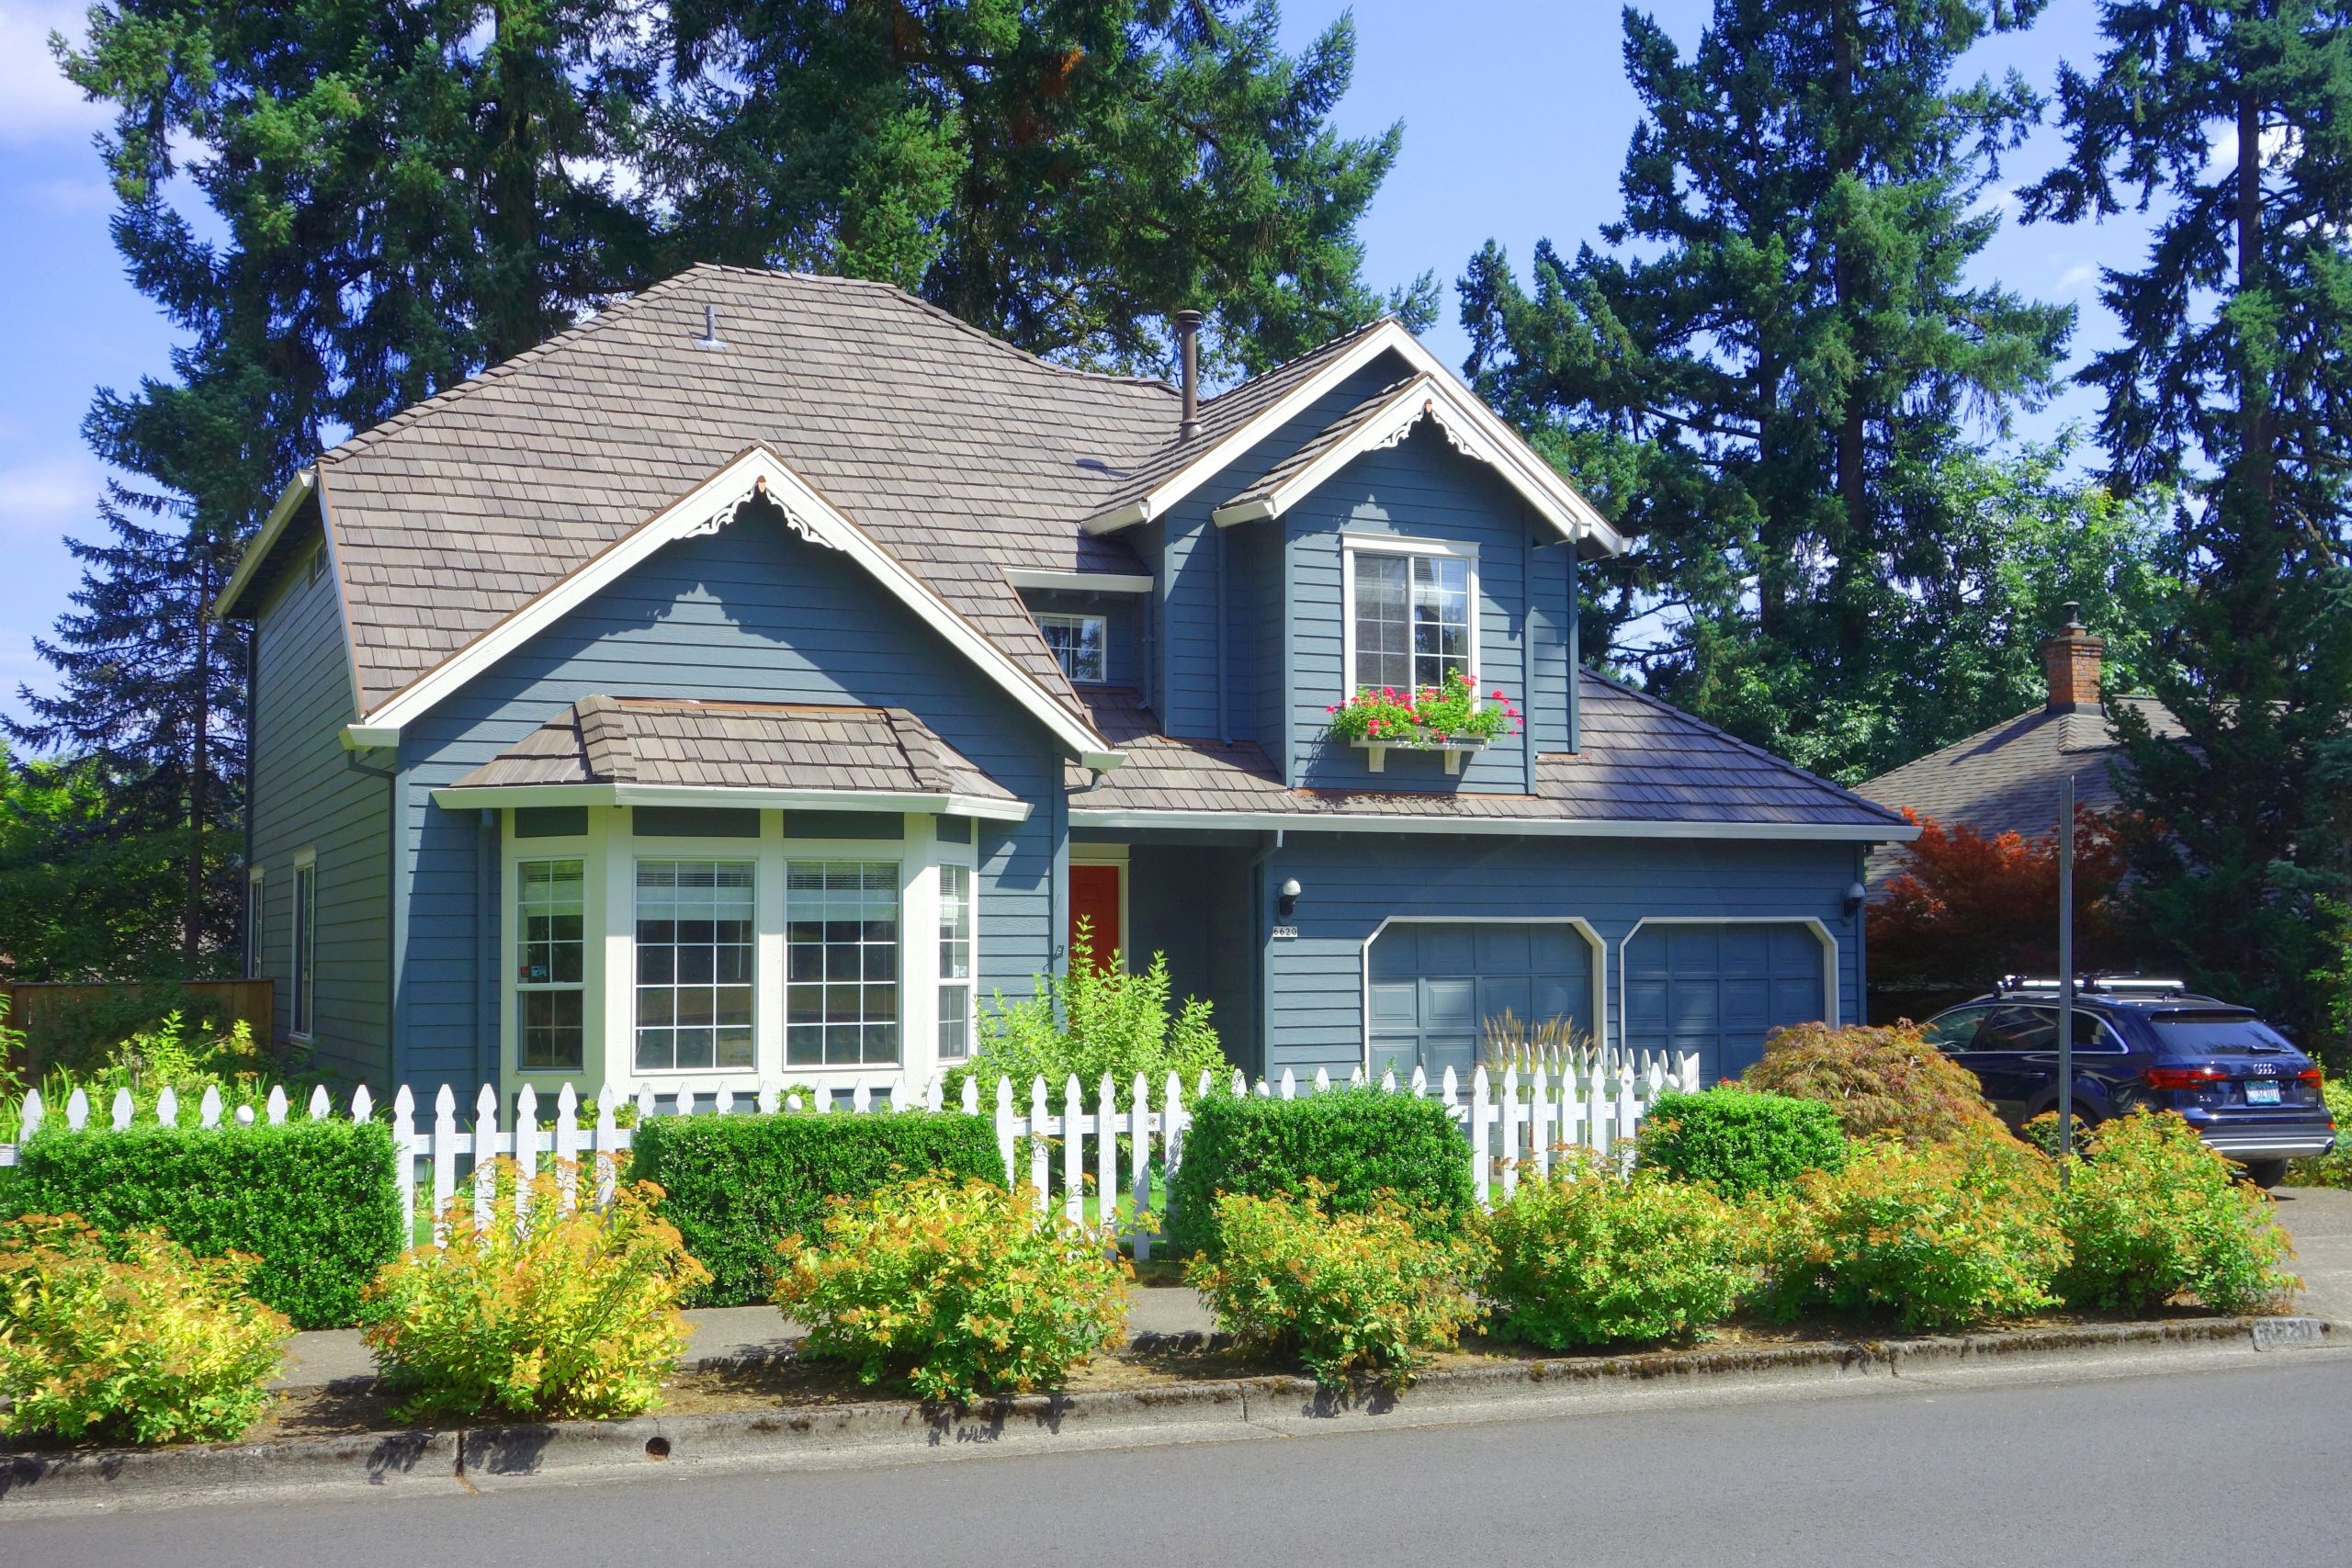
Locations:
column 2019, row 1029
column 1955, row 1030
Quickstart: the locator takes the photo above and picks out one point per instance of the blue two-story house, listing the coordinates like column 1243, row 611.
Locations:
column 744, row 685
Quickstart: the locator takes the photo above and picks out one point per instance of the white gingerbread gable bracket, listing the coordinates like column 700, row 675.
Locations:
column 1423, row 398
column 756, row 473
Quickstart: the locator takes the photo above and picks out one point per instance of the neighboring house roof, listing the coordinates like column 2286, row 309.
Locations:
column 712, row 749
column 1646, row 767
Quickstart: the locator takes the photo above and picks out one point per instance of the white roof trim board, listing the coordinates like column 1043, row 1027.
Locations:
column 705, row 509
column 1424, row 396
column 1509, row 827
column 1504, row 447
column 473, row 796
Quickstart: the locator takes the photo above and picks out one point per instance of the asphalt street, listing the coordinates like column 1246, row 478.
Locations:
column 2248, row 1463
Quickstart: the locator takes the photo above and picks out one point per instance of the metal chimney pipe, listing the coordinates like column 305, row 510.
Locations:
column 1188, row 340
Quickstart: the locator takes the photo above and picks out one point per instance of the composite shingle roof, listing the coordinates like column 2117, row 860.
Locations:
column 960, row 455
column 2004, row 779
column 1643, row 760
column 735, row 744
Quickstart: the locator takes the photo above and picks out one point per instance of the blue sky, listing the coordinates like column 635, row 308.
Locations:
column 1516, row 118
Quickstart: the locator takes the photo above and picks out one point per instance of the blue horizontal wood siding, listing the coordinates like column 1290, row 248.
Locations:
column 1350, row 884
column 751, row 613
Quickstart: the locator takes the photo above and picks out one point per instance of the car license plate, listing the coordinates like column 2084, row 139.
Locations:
column 2261, row 1092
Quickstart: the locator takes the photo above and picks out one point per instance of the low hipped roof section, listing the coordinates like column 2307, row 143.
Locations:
column 641, row 748
column 1646, row 769
column 1237, row 421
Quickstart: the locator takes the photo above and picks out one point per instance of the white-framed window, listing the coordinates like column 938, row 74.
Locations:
column 696, row 949
column 301, row 974
column 551, row 964
column 256, row 956
column 1411, row 613
column 955, row 962
column 1080, row 644
column 841, row 920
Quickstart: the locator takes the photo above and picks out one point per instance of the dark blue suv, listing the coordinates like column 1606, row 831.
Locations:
column 2249, row 1093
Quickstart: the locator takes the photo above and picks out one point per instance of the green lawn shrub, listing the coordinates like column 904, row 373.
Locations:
column 1367, row 1292
column 1352, row 1143
column 311, row 1202
column 955, row 1285
column 1877, row 1078
column 2151, row 1214
column 735, row 1186
column 1938, row 1237
column 1587, row 1257
column 150, row 1345
column 539, row 1315
column 2329, row 1169
column 1736, row 1141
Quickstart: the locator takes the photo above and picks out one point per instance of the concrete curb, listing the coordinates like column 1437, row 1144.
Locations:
column 1207, row 1411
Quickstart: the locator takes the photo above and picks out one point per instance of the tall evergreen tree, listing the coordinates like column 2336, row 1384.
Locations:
column 2233, row 118
column 1768, row 372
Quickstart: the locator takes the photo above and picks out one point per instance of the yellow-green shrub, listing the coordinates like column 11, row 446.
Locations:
column 956, row 1285
column 1586, row 1257
column 1939, row 1236
column 157, row 1346
column 1364, row 1293
column 539, row 1314
column 2152, row 1214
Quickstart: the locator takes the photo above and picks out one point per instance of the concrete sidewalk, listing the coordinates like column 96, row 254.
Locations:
column 326, row 1355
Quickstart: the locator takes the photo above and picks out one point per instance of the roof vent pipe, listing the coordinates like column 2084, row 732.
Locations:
column 1188, row 342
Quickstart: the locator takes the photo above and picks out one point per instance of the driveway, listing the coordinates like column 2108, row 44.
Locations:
column 2319, row 1219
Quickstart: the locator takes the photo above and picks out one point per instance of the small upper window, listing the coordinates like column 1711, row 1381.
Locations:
column 1410, row 620
column 1078, row 643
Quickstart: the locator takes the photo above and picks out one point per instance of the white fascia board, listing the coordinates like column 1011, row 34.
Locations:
column 1425, row 397
column 289, row 501
column 1079, row 582
column 1389, row 336
column 1500, row 827
column 464, row 799
column 705, row 509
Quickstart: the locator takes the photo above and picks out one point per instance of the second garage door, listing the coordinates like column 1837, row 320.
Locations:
column 1718, row 989
column 1433, row 985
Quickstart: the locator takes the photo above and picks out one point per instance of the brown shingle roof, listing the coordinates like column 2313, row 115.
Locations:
column 1644, row 761
column 2004, row 779
column 960, row 455
column 732, row 745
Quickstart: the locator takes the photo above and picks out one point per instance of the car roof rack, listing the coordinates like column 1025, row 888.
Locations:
column 2098, row 984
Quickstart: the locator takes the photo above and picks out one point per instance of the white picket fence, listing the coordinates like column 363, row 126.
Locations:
column 1511, row 1122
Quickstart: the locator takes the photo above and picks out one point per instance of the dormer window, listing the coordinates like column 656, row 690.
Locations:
column 1412, row 612
column 1078, row 643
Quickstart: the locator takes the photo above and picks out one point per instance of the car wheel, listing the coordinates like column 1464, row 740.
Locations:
column 2265, row 1173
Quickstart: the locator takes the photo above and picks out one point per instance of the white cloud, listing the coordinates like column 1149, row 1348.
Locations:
column 36, row 103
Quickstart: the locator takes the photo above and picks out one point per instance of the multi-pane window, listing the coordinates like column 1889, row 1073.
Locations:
column 1411, row 619
column 840, row 963
column 955, row 962
column 306, row 909
column 550, row 947
column 1079, row 644
column 694, row 948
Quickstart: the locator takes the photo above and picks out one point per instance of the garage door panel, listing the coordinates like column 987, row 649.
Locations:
column 1435, row 985
column 1717, row 989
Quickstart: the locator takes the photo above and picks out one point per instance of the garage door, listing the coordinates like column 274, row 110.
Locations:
column 1719, row 989
column 1433, row 986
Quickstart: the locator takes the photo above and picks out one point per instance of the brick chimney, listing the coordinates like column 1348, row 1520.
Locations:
column 2070, row 658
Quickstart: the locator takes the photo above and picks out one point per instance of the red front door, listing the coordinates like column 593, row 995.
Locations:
column 1094, row 898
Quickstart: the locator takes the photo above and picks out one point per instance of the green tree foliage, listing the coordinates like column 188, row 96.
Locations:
column 1766, row 374
column 2228, row 119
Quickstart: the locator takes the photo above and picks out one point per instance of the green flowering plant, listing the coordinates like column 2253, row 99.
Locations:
column 1436, row 715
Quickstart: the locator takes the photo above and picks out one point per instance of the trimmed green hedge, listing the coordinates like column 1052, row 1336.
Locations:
column 1740, row 1141
column 313, row 1200
column 735, row 1186
column 1359, row 1142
